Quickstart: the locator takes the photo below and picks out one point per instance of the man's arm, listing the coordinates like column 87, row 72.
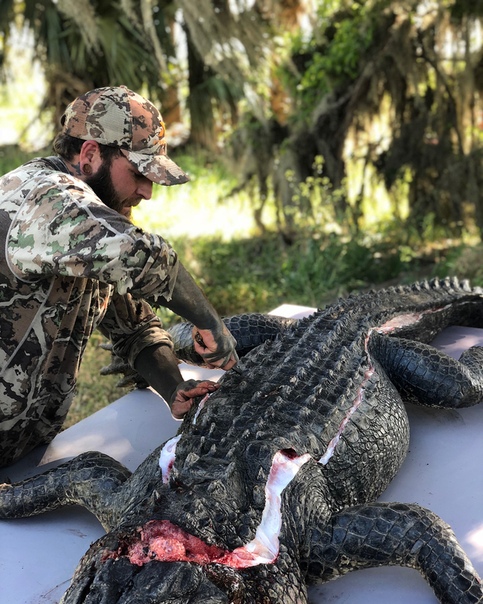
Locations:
column 99, row 243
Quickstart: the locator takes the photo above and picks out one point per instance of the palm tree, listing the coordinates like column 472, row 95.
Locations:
column 83, row 44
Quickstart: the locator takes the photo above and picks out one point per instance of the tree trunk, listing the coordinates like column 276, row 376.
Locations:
column 200, row 103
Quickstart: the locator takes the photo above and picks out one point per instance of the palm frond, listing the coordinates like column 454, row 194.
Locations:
column 83, row 15
column 150, row 29
column 229, row 40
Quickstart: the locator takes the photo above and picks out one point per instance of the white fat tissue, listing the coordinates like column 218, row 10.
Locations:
column 200, row 407
column 399, row 321
column 168, row 452
column 167, row 457
column 264, row 548
column 357, row 402
column 407, row 319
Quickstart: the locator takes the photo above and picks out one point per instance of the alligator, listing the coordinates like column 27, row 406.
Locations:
column 271, row 483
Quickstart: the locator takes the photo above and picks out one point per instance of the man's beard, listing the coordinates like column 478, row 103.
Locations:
column 102, row 185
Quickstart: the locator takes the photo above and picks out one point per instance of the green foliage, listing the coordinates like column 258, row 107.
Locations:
column 461, row 9
column 12, row 156
column 343, row 35
column 260, row 273
column 463, row 260
column 316, row 205
column 85, row 45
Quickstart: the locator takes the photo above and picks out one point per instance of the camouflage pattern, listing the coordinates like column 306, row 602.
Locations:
column 117, row 116
column 68, row 264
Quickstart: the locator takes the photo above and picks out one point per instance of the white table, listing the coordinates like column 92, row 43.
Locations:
column 442, row 471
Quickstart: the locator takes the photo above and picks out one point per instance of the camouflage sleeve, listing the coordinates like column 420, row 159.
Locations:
column 62, row 228
column 132, row 325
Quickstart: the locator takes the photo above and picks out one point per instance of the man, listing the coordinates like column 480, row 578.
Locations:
column 71, row 261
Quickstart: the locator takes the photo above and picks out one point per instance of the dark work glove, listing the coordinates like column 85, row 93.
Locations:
column 185, row 393
column 212, row 340
column 217, row 347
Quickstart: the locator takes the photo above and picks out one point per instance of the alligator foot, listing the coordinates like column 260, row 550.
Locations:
column 385, row 534
column 90, row 480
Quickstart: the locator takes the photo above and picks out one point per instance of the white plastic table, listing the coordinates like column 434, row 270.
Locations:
column 442, row 472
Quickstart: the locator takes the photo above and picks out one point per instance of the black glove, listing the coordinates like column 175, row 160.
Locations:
column 217, row 348
column 212, row 340
column 185, row 393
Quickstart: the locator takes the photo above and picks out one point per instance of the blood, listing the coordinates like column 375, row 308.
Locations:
column 163, row 540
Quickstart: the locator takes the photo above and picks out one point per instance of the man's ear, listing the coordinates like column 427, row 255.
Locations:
column 90, row 154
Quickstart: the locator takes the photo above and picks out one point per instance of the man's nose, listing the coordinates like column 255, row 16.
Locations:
column 145, row 189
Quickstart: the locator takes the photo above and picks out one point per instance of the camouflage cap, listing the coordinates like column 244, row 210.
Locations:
column 119, row 117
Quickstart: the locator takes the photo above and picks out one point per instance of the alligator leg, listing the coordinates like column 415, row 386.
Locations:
column 385, row 534
column 91, row 480
column 423, row 373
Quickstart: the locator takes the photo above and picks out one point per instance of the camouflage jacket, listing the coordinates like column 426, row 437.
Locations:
column 68, row 264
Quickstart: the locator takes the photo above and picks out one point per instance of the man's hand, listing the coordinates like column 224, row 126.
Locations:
column 216, row 348
column 212, row 340
column 182, row 398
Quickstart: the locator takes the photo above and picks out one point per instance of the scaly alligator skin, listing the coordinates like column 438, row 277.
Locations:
column 271, row 483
